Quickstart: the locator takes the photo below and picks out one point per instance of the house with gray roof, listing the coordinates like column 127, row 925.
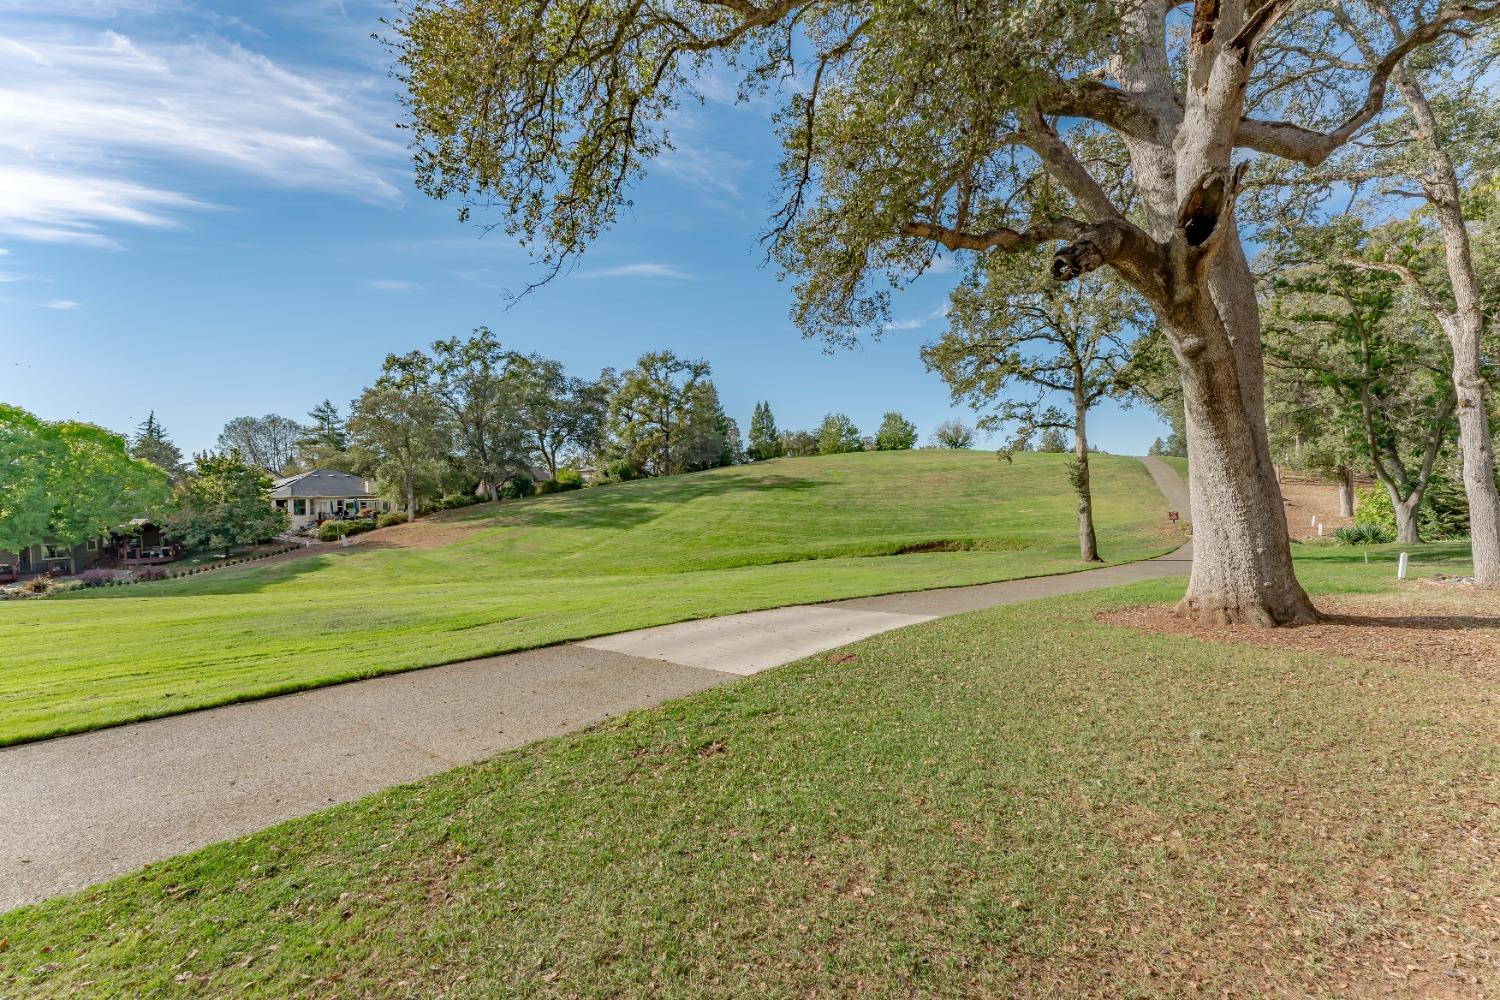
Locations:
column 310, row 498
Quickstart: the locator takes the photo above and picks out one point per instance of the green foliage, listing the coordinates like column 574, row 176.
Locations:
column 516, row 487
column 896, row 433
column 550, row 486
column 401, row 428
column 798, row 444
column 391, row 518
column 666, row 416
column 269, row 441
column 1443, row 513
column 569, row 479
column 558, row 413
column 837, row 435
column 1173, row 445
column 953, row 434
column 68, row 482
column 1053, row 441
column 1366, row 533
column 222, row 504
column 151, row 444
column 450, row 502
column 765, row 440
column 332, row 531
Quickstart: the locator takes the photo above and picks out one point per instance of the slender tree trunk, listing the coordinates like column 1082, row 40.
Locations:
column 1088, row 544
column 1477, row 450
column 1464, row 327
column 411, row 499
column 1346, row 491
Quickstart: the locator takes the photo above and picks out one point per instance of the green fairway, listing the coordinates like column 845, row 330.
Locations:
column 558, row 568
column 1021, row 801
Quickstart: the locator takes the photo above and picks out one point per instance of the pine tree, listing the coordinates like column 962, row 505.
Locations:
column 765, row 440
column 151, row 444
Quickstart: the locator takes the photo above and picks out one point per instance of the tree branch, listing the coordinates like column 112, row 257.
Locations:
column 1308, row 146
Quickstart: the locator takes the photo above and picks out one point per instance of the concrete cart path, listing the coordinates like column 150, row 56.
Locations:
column 80, row 809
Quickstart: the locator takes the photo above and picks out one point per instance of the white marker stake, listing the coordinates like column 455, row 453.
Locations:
column 1401, row 568
column 1367, row 557
column 1320, row 529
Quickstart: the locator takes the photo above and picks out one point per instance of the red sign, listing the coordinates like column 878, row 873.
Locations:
column 1172, row 516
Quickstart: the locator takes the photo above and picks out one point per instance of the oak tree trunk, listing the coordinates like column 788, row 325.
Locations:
column 411, row 500
column 1406, row 518
column 1346, row 491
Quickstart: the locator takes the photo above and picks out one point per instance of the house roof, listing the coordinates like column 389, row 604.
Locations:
column 322, row 483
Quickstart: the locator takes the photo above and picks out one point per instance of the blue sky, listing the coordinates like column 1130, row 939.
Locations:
column 206, row 210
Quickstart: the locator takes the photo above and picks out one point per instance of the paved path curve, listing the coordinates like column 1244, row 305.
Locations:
column 80, row 809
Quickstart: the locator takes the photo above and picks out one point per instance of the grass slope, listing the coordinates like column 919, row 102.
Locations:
column 555, row 569
column 1019, row 802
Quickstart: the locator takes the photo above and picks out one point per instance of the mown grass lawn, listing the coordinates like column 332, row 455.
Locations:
column 558, row 568
column 1017, row 802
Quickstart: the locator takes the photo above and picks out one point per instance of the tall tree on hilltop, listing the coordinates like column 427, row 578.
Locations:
column 1015, row 338
column 662, row 417
column 765, row 439
column 953, row 434
column 895, row 433
column 558, row 413
column 468, row 379
column 838, row 435
column 1108, row 130
column 269, row 441
column 152, row 444
column 401, row 428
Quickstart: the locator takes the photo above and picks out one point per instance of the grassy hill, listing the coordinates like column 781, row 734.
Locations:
column 493, row 578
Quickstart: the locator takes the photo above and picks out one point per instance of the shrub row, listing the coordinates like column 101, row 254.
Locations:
column 332, row 531
column 147, row 574
column 448, row 503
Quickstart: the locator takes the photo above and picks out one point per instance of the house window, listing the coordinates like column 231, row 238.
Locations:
column 93, row 545
column 299, row 507
column 50, row 551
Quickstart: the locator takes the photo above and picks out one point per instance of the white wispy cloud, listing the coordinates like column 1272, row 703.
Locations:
column 708, row 169
column 641, row 270
column 102, row 132
column 904, row 324
column 60, row 304
column 392, row 285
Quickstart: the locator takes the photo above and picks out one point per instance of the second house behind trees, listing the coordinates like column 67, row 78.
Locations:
column 324, row 494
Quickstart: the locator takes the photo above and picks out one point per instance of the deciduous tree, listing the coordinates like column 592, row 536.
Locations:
column 953, row 434
column 401, row 428
column 269, row 441
column 1107, row 130
column 895, row 433
column 1016, row 339
column 837, row 435
column 223, row 503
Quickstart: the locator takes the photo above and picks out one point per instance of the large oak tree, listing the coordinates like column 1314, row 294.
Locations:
column 1108, row 130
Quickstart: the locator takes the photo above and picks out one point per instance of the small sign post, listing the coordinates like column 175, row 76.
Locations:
column 1172, row 516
